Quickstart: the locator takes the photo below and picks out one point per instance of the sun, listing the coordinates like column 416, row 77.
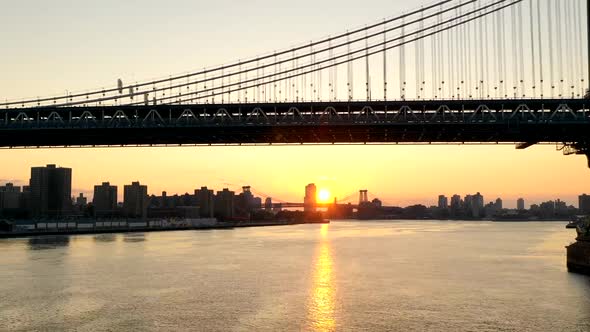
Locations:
column 324, row 195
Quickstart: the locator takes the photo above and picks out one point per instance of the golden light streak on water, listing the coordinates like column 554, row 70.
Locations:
column 321, row 306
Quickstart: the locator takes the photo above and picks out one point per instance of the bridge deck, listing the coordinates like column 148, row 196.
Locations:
column 450, row 121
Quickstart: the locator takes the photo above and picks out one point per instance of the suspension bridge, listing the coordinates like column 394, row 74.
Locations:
column 452, row 71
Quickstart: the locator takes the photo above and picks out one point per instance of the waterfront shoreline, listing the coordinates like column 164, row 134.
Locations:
column 221, row 226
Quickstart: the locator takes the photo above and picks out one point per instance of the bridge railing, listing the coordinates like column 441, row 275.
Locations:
column 546, row 111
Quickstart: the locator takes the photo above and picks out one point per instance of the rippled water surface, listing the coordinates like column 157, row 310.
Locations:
column 347, row 276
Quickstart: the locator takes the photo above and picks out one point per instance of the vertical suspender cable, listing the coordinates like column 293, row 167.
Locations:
column 433, row 65
column 503, row 50
column 367, row 67
column 441, row 58
column 422, row 79
column 570, row 47
column 499, row 51
column 580, row 43
column 550, row 27
column 480, row 58
column 486, row 52
column 540, row 33
column 303, row 89
column 559, row 46
column 461, row 57
column 298, row 81
column 313, row 78
column 385, row 63
column 469, row 91
column 496, row 47
column 521, row 48
column 451, row 68
column 336, row 95
column 470, row 55
column 451, row 63
column 349, row 67
column 402, row 65
column 454, row 88
column 515, row 73
column 416, row 45
column 320, row 85
column 331, row 73
column 577, row 46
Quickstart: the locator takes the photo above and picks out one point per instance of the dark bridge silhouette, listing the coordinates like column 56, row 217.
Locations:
column 525, row 122
column 483, row 71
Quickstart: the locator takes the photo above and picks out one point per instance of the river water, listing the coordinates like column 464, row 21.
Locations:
column 346, row 276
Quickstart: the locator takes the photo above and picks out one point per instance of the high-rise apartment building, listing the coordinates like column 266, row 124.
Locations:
column 10, row 197
column 224, row 204
column 310, row 199
column 499, row 205
column 51, row 191
column 443, row 202
column 584, row 204
column 456, row 202
column 135, row 200
column 520, row 204
column 206, row 202
column 104, row 200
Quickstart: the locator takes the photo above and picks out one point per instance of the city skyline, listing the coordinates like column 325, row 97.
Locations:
column 49, row 195
column 323, row 193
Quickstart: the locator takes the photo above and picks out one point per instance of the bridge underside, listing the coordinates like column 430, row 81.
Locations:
column 294, row 134
column 526, row 122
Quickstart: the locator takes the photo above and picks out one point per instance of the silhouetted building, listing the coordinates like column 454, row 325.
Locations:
column 310, row 199
column 443, row 202
column 81, row 200
column 340, row 211
column 246, row 202
column 499, row 204
column 493, row 209
column 520, row 204
column 377, row 203
column 561, row 208
column 477, row 205
column 105, row 200
column 51, row 191
column 546, row 209
column 80, row 204
column 206, row 201
column 135, row 200
column 224, row 204
column 10, row 197
column 584, row 204
column 456, row 203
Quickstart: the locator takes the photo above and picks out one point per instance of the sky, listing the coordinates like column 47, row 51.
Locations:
column 50, row 47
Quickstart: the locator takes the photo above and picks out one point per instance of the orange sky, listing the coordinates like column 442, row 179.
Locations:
column 399, row 175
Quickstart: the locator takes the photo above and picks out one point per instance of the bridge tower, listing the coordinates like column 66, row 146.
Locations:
column 363, row 196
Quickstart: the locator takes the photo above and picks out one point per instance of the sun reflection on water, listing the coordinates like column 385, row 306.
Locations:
column 322, row 302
